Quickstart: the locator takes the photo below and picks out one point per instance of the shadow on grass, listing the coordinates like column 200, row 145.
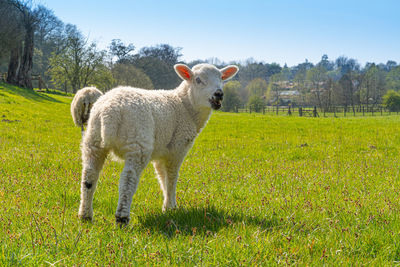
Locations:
column 200, row 220
column 26, row 93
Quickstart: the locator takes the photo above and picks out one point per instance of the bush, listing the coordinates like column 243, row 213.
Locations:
column 392, row 101
column 231, row 97
column 256, row 103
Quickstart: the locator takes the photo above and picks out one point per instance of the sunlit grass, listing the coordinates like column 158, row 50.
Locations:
column 253, row 190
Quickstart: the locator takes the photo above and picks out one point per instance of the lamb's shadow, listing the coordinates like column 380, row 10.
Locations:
column 201, row 220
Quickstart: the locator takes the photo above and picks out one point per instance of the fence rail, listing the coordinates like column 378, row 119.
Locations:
column 338, row 111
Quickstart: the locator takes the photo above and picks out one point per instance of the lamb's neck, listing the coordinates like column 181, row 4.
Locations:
column 200, row 115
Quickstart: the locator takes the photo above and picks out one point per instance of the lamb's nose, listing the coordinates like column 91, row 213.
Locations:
column 219, row 94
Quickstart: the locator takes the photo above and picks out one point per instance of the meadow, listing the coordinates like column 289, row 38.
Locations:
column 254, row 190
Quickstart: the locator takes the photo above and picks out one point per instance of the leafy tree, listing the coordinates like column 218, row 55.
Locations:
column 392, row 101
column 77, row 63
column 255, row 70
column 160, row 73
column 256, row 103
column 257, row 87
column 103, row 78
column 164, row 52
column 390, row 65
column 325, row 63
column 127, row 74
column 393, row 79
column 345, row 64
column 231, row 96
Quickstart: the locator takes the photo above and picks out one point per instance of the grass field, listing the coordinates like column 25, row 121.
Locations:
column 253, row 190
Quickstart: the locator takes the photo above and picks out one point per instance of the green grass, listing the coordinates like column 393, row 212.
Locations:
column 253, row 190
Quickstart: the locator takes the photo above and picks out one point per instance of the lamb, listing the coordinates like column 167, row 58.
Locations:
column 142, row 125
column 82, row 103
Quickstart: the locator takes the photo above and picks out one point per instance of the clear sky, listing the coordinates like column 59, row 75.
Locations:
column 285, row 31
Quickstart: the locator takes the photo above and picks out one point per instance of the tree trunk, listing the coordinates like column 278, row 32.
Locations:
column 13, row 66
column 25, row 73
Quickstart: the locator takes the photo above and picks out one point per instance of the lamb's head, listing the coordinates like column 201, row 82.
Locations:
column 205, row 82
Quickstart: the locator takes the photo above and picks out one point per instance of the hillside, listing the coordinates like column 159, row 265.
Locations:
column 254, row 190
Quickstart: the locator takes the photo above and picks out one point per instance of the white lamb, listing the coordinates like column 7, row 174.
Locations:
column 82, row 104
column 142, row 125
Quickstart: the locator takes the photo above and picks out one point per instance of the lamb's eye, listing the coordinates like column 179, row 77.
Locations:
column 198, row 80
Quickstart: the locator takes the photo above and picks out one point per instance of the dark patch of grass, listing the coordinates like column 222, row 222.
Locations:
column 200, row 220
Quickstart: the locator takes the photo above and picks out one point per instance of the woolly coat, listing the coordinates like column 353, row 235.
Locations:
column 160, row 123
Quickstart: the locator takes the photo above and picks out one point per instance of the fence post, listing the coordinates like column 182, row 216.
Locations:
column 263, row 110
column 363, row 110
column 381, row 111
column 289, row 112
column 300, row 111
column 344, row 111
column 315, row 111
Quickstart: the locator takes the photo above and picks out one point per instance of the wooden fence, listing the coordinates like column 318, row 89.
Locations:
column 338, row 111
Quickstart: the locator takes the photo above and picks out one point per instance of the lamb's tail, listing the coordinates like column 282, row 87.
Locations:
column 81, row 105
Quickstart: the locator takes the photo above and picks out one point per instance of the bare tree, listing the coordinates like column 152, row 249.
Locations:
column 77, row 63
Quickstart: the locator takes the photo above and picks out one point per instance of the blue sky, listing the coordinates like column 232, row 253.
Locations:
column 270, row 31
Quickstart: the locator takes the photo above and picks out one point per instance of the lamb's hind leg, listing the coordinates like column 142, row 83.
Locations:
column 168, row 177
column 92, row 161
column 135, row 162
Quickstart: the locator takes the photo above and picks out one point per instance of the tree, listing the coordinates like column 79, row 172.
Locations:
column 255, row 70
column 391, row 100
column 317, row 77
column 11, row 37
column 127, row 74
column 160, row 73
column 345, row 64
column 48, row 39
column 103, row 78
column 256, row 103
column 231, row 96
column 347, row 90
column 328, row 65
column 373, row 85
column 257, row 87
column 30, row 20
column 275, row 87
column 120, row 50
column 77, row 63
column 393, row 79
column 164, row 52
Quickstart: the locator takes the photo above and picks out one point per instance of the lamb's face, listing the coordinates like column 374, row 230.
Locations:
column 206, row 82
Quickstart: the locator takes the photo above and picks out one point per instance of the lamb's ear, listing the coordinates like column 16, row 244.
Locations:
column 184, row 72
column 228, row 72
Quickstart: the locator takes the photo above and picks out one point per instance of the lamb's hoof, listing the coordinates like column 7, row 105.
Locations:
column 121, row 221
column 169, row 208
column 85, row 218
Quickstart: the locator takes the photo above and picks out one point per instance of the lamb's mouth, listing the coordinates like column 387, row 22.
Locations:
column 215, row 104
